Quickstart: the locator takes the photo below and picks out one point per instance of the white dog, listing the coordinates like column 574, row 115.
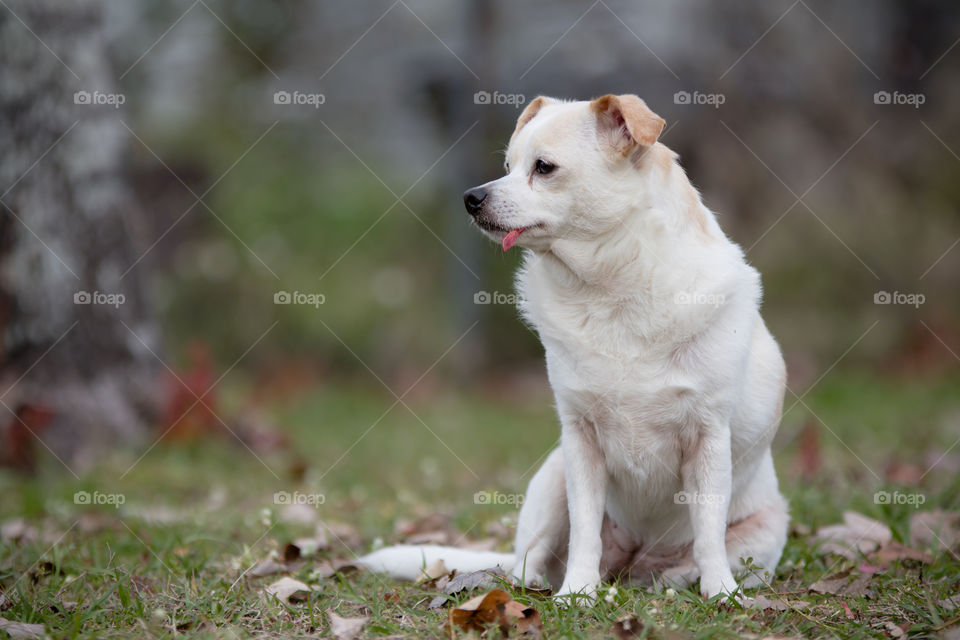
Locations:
column 668, row 385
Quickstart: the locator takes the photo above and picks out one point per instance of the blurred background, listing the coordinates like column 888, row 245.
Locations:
column 233, row 247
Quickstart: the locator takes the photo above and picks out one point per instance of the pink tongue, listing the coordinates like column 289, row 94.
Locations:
column 511, row 238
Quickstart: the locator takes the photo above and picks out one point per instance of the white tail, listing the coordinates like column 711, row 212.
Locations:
column 407, row 561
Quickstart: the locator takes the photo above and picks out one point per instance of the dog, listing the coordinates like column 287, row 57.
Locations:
column 668, row 385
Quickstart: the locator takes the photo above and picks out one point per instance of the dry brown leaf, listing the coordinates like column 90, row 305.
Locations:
column 627, row 628
column 486, row 579
column 857, row 535
column 860, row 587
column 496, row 607
column 432, row 572
column 267, row 567
column 288, row 590
column 522, row 619
column 893, row 551
column 840, row 584
column 486, row 544
column 435, row 528
column 346, row 628
column 17, row 530
column 430, row 537
column 329, row 533
column 23, row 631
column 831, row 585
column 499, row 531
column 938, row 529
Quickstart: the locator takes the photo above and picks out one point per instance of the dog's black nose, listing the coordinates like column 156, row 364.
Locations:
column 473, row 199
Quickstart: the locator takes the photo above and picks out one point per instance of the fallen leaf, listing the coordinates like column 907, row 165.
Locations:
column 894, row 630
column 630, row 627
column 938, row 529
column 840, row 584
column 487, row 544
column 345, row 628
column 435, row 528
column 325, row 568
column 23, row 631
column 857, row 535
column 953, row 602
column 17, row 530
column 337, row 532
column 479, row 612
column 846, row 611
column 860, row 587
column 432, row 572
column 522, row 619
column 496, row 607
column 832, row 585
column 763, row 603
column 499, row 531
column 302, row 548
column 267, row 567
column 627, row 628
column 288, row 590
column 893, row 551
column 486, row 579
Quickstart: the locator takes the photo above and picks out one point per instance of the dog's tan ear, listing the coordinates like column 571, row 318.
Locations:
column 628, row 120
column 532, row 109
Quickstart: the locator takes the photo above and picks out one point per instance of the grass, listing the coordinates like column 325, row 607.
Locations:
column 170, row 560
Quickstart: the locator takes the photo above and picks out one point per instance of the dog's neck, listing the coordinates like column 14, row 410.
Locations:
column 663, row 224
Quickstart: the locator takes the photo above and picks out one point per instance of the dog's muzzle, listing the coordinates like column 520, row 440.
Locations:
column 473, row 200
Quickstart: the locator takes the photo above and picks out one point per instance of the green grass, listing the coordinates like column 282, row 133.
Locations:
column 168, row 562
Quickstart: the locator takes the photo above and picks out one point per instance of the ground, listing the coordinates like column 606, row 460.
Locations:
column 174, row 558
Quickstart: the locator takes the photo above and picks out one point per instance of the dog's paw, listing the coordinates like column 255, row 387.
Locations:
column 578, row 591
column 715, row 584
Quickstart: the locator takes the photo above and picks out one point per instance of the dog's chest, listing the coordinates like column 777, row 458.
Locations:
column 625, row 369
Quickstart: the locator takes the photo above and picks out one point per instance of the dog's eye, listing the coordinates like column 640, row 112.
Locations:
column 543, row 167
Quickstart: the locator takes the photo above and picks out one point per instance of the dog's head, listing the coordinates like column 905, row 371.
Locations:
column 572, row 170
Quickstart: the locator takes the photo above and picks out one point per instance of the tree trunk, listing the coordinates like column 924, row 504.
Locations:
column 74, row 378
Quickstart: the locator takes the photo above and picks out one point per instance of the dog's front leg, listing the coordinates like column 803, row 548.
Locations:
column 586, row 479
column 707, row 482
